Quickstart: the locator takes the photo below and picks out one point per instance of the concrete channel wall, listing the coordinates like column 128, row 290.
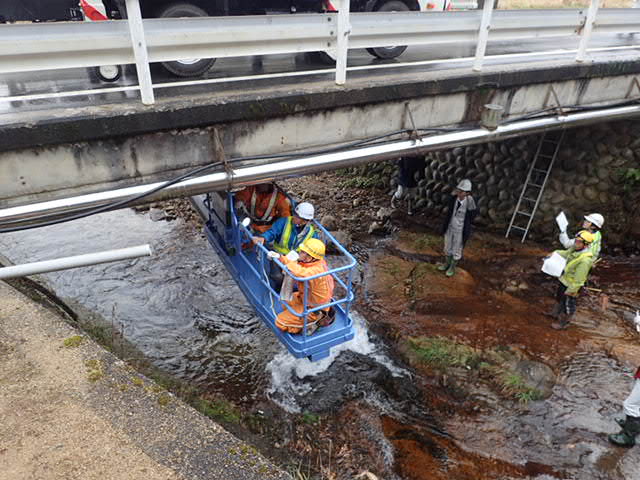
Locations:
column 587, row 177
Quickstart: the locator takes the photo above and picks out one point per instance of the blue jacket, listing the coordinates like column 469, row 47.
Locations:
column 274, row 234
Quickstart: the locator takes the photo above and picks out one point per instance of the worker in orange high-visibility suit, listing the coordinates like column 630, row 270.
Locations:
column 310, row 263
column 263, row 204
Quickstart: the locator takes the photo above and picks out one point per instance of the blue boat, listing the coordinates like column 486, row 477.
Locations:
column 249, row 266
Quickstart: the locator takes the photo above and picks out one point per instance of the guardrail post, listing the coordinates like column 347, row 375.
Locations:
column 483, row 35
column 136, row 30
column 586, row 30
column 343, row 30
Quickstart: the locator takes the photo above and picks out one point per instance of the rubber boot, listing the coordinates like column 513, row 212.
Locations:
column 409, row 206
column 451, row 271
column 562, row 322
column 627, row 437
column 621, row 421
column 446, row 264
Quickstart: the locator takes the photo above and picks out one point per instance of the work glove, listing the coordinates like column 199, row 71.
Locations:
column 271, row 255
column 293, row 256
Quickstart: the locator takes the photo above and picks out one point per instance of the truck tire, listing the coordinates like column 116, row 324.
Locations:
column 389, row 52
column 192, row 67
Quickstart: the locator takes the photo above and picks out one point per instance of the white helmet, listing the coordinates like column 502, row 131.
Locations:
column 464, row 185
column 305, row 210
column 595, row 218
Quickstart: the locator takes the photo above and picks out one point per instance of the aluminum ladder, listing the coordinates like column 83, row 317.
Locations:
column 537, row 177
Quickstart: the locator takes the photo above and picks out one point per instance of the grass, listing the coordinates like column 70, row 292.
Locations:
column 218, row 410
column 444, row 354
column 310, row 418
column 72, row 342
column 441, row 353
column 95, row 370
column 426, row 241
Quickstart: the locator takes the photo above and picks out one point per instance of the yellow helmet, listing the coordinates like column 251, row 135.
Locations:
column 314, row 247
column 586, row 236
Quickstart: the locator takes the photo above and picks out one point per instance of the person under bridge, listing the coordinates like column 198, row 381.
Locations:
column 263, row 204
column 576, row 271
column 593, row 223
column 310, row 262
column 286, row 234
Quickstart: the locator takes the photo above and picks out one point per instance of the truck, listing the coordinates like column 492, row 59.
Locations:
column 95, row 10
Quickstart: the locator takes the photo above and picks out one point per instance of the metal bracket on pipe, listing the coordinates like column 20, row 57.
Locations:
column 552, row 92
column 633, row 83
column 413, row 135
column 218, row 154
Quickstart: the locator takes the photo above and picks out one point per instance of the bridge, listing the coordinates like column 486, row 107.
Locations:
column 60, row 151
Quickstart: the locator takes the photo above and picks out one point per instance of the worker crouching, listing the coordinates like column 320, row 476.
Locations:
column 320, row 290
column 576, row 271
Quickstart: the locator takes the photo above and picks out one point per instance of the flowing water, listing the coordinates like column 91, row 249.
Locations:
column 183, row 311
column 180, row 308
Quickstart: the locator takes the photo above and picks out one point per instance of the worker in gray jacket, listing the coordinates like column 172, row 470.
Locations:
column 457, row 225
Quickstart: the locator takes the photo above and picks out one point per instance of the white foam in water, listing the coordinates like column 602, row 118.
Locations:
column 287, row 371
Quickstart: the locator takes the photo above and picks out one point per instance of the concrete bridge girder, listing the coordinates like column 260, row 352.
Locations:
column 57, row 171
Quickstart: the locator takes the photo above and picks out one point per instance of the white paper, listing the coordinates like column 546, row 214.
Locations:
column 554, row 265
column 562, row 222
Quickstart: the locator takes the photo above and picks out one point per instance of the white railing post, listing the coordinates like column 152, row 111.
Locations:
column 343, row 30
column 136, row 30
column 586, row 30
column 483, row 34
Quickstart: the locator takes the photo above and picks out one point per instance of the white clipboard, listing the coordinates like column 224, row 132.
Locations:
column 554, row 265
column 562, row 221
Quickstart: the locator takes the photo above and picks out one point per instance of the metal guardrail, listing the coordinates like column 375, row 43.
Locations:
column 32, row 47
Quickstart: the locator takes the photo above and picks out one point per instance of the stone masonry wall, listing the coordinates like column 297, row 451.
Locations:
column 587, row 177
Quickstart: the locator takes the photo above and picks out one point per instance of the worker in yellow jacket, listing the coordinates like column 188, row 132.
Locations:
column 311, row 262
column 579, row 262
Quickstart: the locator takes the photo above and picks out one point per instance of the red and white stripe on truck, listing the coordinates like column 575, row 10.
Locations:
column 93, row 10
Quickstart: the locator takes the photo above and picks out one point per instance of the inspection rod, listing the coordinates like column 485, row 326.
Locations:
column 66, row 263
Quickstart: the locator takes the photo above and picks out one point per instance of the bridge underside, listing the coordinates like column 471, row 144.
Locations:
column 99, row 148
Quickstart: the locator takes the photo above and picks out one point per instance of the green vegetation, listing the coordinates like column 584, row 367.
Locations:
column 164, row 399
column 73, row 342
column 95, row 369
column 218, row 409
column 310, row 418
column 631, row 178
column 425, row 240
column 443, row 354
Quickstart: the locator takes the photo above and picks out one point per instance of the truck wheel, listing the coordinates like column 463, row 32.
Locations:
column 189, row 67
column 389, row 52
column 105, row 73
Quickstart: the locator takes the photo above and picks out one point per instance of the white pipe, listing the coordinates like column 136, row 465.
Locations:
column 249, row 175
column 74, row 262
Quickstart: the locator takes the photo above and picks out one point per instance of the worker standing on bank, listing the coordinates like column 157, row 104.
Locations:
column 576, row 271
column 263, row 204
column 320, row 290
column 592, row 223
column 457, row 225
column 631, row 424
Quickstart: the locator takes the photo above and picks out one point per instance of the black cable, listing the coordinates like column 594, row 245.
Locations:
column 123, row 203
